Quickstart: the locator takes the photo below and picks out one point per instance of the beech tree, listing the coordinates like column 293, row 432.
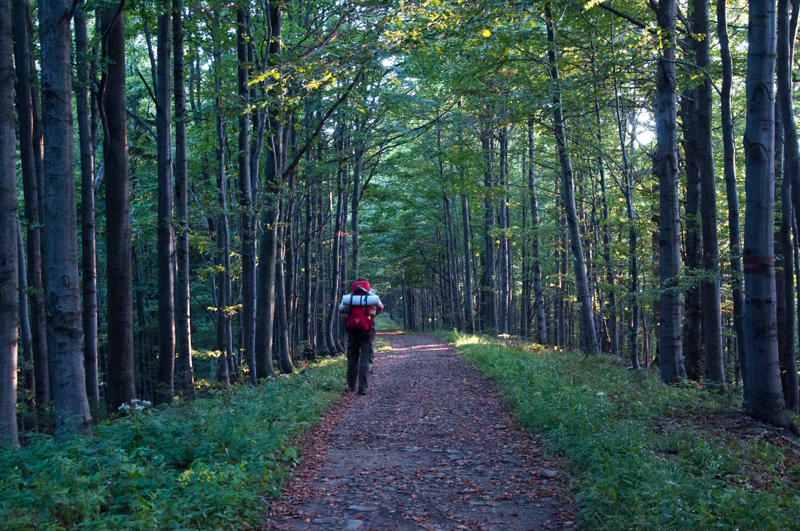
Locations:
column 9, row 296
column 63, row 282
column 764, row 399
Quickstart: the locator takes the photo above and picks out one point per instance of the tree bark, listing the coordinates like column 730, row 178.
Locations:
column 30, row 162
column 693, row 240
column 589, row 343
column 9, row 259
column 488, row 283
column 671, row 354
column 505, row 266
column 764, row 399
column 538, row 292
column 88, row 224
column 63, row 284
column 120, row 365
column 265, row 305
column 184, row 375
column 25, row 340
column 712, row 311
column 731, row 190
column 787, row 31
column 246, row 195
column 166, row 236
column 469, row 305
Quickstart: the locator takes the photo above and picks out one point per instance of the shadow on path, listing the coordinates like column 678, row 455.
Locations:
column 430, row 447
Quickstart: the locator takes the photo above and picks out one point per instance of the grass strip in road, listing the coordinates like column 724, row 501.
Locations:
column 649, row 456
column 209, row 463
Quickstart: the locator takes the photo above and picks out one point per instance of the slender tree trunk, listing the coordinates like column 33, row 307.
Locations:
column 307, row 269
column 589, row 337
column 488, row 284
column 671, row 354
column 25, row 340
column 184, row 376
column 335, row 257
column 538, row 292
column 265, row 305
column 120, row 366
column 245, row 195
column 468, row 302
column 787, row 31
column 731, row 191
column 281, row 300
column 30, row 162
column 166, row 236
column 9, row 259
column 712, row 312
column 764, row 399
column 693, row 241
column 88, row 225
column 504, row 266
column 63, row 284
column 226, row 370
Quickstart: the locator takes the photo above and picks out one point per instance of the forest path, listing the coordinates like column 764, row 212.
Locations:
column 429, row 447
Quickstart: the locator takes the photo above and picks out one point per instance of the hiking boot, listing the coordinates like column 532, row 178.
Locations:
column 362, row 391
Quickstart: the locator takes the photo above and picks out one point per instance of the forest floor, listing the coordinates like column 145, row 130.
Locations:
column 431, row 446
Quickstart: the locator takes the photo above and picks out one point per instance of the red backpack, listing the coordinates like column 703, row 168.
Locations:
column 358, row 318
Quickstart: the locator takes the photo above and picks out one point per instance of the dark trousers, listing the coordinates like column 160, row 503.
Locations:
column 359, row 344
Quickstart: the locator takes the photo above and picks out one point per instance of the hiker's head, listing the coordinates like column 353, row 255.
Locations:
column 360, row 286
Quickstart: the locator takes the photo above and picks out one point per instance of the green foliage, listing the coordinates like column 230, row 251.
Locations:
column 203, row 464
column 612, row 425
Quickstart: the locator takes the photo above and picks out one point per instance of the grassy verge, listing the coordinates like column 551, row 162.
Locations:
column 204, row 464
column 648, row 455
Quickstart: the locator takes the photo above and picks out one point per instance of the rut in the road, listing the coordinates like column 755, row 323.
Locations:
column 430, row 446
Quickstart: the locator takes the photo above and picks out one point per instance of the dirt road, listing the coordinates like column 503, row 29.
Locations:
column 430, row 447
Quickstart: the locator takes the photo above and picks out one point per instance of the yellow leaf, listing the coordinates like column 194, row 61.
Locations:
column 487, row 33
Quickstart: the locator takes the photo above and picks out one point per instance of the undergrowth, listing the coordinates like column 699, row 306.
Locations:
column 644, row 458
column 211, row 463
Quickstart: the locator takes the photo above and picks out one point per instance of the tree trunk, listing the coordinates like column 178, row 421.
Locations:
column 184, row 376
column 265, row 275
column 226, row 370
column 9, row 259
column 166, row 236
column 246, row 195
column 63, row 281
column 787, row 31
column 693, row 241
column 88, row 225
column 25, row 340
column 538, row 292
column 120, row 366
column 30, row 162
column 589, row 342
column 335, row 257
column 281, row 299
column 712, row 312
column 731, row 191
column 764, row 398
column 505, row 266
column 488, row 283
column 468, row 302
column 669, row 212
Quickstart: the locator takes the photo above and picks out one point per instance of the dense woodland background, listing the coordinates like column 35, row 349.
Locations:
column 189, row 187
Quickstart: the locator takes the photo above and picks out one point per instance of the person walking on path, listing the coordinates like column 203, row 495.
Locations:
column 360, row 307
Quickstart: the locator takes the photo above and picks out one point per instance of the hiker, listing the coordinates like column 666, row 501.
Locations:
column 360, row 307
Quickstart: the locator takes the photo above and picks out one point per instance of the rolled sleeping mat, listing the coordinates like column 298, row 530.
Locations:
column 360, row 300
